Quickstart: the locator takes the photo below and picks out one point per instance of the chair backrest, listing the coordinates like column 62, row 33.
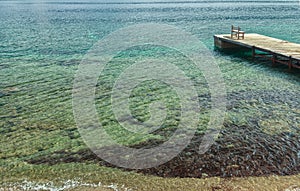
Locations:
column 235, row 28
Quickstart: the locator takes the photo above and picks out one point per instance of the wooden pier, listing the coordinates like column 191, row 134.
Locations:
column 276, row 50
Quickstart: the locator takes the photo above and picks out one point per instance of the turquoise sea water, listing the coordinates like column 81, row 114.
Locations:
column 43, row 42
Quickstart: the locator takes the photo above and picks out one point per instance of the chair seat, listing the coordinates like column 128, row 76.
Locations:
column 238, row 31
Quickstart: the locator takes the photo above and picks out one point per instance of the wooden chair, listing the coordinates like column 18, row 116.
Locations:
column 236, row 31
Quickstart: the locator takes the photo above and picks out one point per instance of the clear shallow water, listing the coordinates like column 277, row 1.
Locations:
column 42, row 43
